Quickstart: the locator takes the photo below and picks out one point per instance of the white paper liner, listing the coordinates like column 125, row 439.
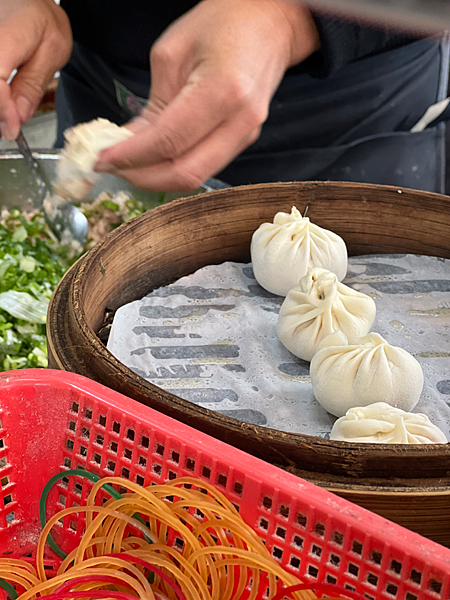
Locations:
column 211, row 338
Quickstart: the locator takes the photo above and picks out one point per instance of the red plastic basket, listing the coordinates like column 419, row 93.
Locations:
column 51, row 421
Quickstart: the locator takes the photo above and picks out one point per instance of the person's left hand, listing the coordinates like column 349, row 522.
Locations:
column 214, row 72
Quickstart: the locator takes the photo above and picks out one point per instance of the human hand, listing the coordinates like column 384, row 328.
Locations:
column 35, row 39
column 214, row 72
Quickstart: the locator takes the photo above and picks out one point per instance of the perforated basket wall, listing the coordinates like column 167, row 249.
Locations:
column 51, row 421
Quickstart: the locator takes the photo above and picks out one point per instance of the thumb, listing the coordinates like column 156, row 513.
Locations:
column 9, row 117
column 12, row 53
column 29, row 84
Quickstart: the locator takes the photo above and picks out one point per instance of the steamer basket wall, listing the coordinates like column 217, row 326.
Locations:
column 407, row 484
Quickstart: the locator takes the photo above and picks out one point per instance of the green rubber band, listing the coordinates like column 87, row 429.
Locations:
column 80, row 473
column 9, row 589
column 44, row 496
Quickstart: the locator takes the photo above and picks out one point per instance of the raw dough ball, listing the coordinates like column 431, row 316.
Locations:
column 383, row 424
column 84, row 142
column 318, row 306
column 283, row 251
column 358, row 372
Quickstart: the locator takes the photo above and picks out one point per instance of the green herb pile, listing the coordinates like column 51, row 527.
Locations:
column 31, row 265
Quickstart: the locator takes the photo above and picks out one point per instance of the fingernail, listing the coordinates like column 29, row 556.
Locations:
column 139, row 120
column 103, row 167
column 4, row 130
column 24, row 108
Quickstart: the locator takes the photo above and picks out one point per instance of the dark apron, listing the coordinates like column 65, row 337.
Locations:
column 352, row 126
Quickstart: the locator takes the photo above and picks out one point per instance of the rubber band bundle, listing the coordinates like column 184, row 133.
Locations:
column 125, row 552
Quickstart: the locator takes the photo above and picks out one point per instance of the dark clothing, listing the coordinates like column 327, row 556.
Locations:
column 354, row 125
column 344, row 42
column 123, row 31
column 344, row 114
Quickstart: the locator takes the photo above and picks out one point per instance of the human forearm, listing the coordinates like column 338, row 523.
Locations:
column 301, row 30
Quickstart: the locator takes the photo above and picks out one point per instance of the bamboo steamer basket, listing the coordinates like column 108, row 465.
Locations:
column 407, row 484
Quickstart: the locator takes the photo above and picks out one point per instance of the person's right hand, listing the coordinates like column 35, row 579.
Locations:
column 35, row 39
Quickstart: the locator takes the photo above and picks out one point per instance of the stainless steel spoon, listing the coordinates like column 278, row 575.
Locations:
column 65, row 220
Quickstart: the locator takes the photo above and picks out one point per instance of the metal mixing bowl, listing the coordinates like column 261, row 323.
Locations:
column 16, row 182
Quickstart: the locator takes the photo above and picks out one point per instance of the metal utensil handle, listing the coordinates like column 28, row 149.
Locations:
column 215, row 184
column 42, row 182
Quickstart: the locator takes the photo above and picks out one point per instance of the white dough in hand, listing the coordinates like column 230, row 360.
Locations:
column 82, row 147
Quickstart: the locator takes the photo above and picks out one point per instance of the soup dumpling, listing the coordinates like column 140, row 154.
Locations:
column 318, row 306
column 283, row 251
